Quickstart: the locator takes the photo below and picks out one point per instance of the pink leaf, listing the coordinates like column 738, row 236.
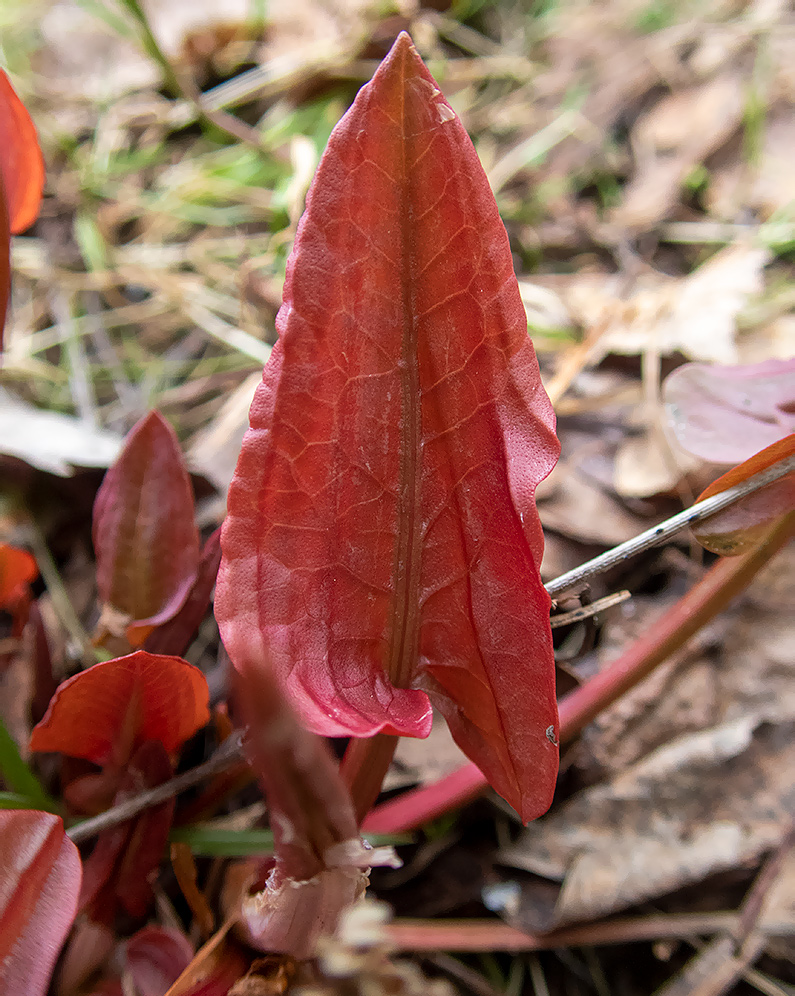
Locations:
column 39, row 884
column 382, row 543
column 725, row 415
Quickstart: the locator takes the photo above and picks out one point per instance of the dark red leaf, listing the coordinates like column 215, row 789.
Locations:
column 21, row 163
column 39, row 884
column 174, row 636
column 121, row 868
column 382, row 543
column 156, row 957
column 106, row 712
column 320, row 862
column 44, row 683
column 215, row 968
column 137, row 870
column 725, row 415
column 145, row 536
column 744, row 524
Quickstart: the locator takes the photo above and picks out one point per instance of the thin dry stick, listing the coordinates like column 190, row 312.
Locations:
column 586, row 611
column 227, row 754
column 659, row 534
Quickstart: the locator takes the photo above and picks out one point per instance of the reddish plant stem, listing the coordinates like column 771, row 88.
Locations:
column 364, row 768
column 725, row 579
column 472, row 936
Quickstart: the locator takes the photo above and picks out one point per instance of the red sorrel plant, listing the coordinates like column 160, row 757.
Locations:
column 380, row 557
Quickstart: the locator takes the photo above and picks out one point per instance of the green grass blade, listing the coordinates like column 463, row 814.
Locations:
column 18, row 776
column 223, row 843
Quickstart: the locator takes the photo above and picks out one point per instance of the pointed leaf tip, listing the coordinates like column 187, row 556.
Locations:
column 39, row 884
column 145, row 535
column 105, row 713
column 382, row 543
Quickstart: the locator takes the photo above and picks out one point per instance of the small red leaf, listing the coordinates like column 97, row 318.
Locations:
column 5, row 264
column 175, row 635
column 725, row 415
column 122, row 866
column 145, row 536
column 17, row 570
column 320, row 861
column 39, row 884
column 106, row 712
column 156, row 957
column 21, row 163
column 382, row 543
column 744, row 524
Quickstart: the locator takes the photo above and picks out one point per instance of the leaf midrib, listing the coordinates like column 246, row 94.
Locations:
column 408, row 548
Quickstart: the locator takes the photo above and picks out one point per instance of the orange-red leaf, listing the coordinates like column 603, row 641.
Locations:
column 145, row 536
column 5, row 263
column 382, row 544
column 21, row 163
column 17, row 569
column 39, row 885
column 105, row 713
column 744, row 524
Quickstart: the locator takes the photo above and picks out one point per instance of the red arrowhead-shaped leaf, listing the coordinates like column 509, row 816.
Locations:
column 744, row 524
column 382, row 543
column 106, row 712
column 21, row 180
column 39, row 885
column 145, row 535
